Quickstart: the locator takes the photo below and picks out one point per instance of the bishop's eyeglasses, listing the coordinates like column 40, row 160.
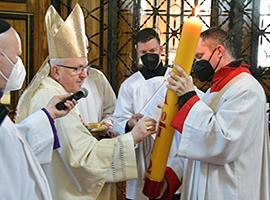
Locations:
column 76, row 70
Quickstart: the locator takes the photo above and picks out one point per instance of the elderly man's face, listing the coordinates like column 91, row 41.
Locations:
column 70, row 73
column 10, row 45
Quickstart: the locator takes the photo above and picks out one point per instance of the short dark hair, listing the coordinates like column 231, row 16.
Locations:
column 4, row 26
column 220, row 37
column 145, row 35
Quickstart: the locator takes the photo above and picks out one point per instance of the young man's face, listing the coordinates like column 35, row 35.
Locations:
column 71, row 73
column 207, row 49
column 151, row 46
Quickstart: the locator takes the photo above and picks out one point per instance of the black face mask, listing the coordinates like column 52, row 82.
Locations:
column 150, row 61
column 203, row 70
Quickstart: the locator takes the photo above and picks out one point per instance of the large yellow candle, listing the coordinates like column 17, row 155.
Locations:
column 184, row 57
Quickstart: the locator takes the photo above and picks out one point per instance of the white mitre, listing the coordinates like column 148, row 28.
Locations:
column 66, row 39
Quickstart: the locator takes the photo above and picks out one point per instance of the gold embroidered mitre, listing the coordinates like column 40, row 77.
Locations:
column 66, row 39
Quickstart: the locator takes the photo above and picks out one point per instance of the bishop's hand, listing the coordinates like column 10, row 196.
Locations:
column 143, row 128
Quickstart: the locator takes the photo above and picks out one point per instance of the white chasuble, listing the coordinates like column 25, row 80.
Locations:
column 84, row 168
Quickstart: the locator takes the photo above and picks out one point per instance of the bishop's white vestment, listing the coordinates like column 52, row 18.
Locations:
column 84, row 168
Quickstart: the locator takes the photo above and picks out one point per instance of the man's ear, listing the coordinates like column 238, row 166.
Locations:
column 161, row 50
column 54, row 72
column 221, row 50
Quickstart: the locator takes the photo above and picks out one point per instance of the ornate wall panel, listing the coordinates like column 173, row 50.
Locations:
column 125, row 49
column 23, row 23
column 27, row 17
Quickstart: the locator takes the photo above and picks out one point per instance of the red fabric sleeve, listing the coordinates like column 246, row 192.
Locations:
column 173, row 183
